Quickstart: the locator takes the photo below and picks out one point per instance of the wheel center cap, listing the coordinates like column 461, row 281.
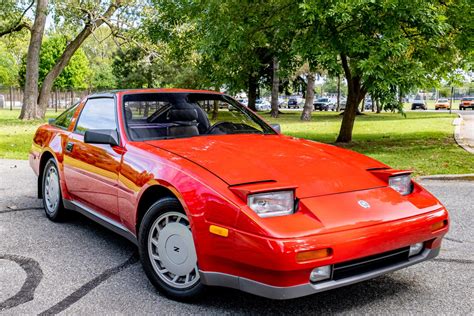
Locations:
column 176, row 249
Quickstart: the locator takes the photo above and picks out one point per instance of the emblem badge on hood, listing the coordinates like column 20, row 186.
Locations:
column 364, row 204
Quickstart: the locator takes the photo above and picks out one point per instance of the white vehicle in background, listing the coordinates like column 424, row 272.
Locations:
column 243, row 101
column 262, row 105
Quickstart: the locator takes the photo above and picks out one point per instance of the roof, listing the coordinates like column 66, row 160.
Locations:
column 111, row 93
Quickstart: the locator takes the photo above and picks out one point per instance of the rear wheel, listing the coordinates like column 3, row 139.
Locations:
column 167, row 251
column 52, row 197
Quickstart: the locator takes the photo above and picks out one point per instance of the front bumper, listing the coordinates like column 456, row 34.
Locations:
column 289, row 292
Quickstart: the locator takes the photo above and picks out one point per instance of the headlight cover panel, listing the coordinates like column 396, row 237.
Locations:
column 270, row 204
column 401, row 183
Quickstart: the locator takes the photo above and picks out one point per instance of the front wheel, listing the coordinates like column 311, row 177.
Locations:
column 52, row 197
column 167, row 251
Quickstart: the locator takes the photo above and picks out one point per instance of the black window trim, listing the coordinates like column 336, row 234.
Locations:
column 225, row 97
column 113, row 97
column 66, row 110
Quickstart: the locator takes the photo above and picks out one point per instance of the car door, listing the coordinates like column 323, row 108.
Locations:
column 91, row 170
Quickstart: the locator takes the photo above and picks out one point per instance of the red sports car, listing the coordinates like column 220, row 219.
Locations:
column 219, row 197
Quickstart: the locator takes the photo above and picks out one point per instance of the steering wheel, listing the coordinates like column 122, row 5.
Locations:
column 216, row 126
column 231, row 128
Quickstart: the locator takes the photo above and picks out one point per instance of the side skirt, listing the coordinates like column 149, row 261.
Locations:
column 101, row 219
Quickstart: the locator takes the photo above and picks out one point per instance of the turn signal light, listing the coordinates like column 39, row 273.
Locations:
column 220, row 231
column 313, row 254
column 439, row 225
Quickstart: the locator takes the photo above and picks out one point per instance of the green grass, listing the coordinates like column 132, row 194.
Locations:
column 421, row 141
column 16, row 135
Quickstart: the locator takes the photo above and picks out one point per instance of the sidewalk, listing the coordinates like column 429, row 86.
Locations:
column 465, row 137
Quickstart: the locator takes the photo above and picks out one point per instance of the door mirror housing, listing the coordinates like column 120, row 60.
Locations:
column 276, row 127
column 102, row 136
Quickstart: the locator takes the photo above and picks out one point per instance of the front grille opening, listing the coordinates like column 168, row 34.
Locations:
column 371, row 263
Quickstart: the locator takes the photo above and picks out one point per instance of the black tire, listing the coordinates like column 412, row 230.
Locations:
column 159, row 208
column 56, row 212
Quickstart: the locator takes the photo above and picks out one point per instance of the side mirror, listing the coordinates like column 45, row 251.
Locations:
column 276, row 127
column 102, row 136
column 51, row 121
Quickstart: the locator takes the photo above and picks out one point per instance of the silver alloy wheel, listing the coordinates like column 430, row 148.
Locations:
column 171, row 250
column 51, row 190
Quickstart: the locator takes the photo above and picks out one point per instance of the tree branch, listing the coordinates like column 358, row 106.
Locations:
column 345, row 66
column 19, row 25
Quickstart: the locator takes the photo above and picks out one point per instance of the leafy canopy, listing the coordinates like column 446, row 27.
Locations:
column 76, row 73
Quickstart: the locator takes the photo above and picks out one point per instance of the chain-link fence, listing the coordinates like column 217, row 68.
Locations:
column 12, row 98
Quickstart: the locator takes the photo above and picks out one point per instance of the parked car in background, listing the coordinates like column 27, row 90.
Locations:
column 466, row 103
column 323, row 104
column 244, row 102
column 262, row 105
column 442, row 104
column 419, row 104
column 295, row 102
column 342, row 105
column 281, row 102
column 215, row 202
column 368, row 104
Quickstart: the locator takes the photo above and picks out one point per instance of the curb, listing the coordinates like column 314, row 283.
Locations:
column 449, row 177
column 458, row 122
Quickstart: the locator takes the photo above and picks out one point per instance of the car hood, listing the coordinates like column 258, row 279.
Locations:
column 313, row 168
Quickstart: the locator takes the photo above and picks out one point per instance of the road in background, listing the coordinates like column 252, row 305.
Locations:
column 80, row 267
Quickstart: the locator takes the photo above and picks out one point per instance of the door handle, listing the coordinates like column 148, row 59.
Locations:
column 69, row 146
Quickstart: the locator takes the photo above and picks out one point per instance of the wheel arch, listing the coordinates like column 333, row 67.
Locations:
column 153, row 194
column 45, row 156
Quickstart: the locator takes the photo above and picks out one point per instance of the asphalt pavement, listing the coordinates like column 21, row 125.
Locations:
column 78, row 267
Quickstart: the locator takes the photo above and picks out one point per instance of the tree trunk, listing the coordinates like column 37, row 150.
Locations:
column 28, row 109
column 338, row 93
column 71, row 48
column 275, row 85
column 215, row 110
column 355, row 94
column 308, row 103
column 362, row 108
column 252, row 95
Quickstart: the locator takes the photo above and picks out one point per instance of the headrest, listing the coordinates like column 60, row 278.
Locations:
column 186, row 115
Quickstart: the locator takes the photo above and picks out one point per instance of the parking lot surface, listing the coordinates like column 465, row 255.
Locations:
column 78, row 267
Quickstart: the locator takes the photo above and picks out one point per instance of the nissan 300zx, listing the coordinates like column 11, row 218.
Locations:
column 214, row 197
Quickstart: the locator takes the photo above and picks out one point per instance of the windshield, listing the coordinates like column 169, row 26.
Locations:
column 468, row 99
column 151, row 116
column 443, row 100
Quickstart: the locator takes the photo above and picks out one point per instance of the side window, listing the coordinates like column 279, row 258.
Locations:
column 97, row 114
column 64, row 120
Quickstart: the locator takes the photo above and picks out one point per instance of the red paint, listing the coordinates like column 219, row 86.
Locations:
column 212, row 175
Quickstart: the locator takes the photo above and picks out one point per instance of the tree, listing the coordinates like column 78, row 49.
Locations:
column 74, row 75
column 308, row 103
column 236, row 41
column 13, row 16
column 275, row 87
column 379, row 44
column 8, row 67
column 92, row 17
column 28, row 109
column 133, row 69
